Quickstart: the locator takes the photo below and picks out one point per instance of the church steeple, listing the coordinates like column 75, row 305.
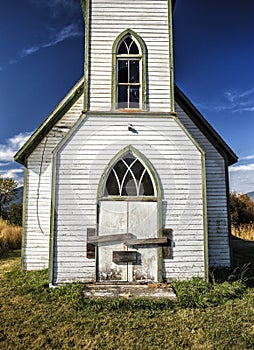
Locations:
column 140, row 80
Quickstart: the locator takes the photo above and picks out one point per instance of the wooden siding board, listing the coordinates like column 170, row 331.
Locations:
column 83, row 159
column 38, row 201
column 108, row 20
column 218, row 230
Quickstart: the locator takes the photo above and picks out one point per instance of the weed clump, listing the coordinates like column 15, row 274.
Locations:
column 197, row 293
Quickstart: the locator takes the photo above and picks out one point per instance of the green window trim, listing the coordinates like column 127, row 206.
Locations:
column 143, row 55
column 137, row 154
column 129, row 178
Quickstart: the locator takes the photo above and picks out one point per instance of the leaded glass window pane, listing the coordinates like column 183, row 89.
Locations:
column 123, row 49
column 134, row 96
column 129, row 177
column 129, row 186
column 146, row 185
column 134, row 71
column 112, row 187
column 120, row 169
column 134, row 49
column 123, row 96
column 128, row 74
column 123, row 71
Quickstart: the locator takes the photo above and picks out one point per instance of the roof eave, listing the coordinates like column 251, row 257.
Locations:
column 206, row 128
column 24, row 152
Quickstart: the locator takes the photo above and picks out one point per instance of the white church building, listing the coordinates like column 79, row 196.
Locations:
column 125, row 180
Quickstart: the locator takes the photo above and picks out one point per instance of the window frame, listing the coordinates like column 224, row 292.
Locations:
column 120, row 182
column 142, row 69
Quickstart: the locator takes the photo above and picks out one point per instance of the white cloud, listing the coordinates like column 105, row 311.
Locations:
column 241, row 101
column 242, row 176
column 70, row 31
column 248, row 157
column 8, row 168
column 13, row 173
column 233, row 100
column 12, row 145
column 245, row 167
column 67, row 32
column 16, row 174
column 242, row 181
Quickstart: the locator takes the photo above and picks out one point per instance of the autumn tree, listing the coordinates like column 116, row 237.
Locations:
column 241, row 209
column 14, row 214
column 8, row 192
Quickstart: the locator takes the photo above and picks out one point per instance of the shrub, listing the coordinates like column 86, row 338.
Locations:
column 14, row 215
column 244, row 231
column 241, row 209
column 10, row 237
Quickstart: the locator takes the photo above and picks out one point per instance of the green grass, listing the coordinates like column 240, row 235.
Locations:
column 205, row 316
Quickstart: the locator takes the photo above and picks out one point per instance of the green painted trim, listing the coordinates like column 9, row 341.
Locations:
column 171, row 57
column 85, row 5
column 23, row 244
column 22, row 155
column 69, row 134
column 188, row 134
column 140, row 156
column 203, row 125
column 129, row 198
column 157, row 185
column 204, row 197
column 52, row 223
column 160, row 223
column 53, row 194
column 114, row 58
column 205, row 218
column 229, row 217
column 127, row 114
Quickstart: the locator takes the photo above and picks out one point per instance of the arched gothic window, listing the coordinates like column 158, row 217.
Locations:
column 128, row 74
column 129, row 67
column 129, row 177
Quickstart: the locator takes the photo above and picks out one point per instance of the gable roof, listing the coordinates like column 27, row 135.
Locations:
column 22, row 155
column 205, row 127
column 69, row 100
column 25, row 151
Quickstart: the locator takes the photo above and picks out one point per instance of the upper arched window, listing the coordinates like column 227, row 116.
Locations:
column 129, row 72
column 129, row 177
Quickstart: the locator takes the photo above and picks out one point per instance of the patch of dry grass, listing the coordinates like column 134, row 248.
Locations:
column 10, row 237
column 36, row 317
column 244, row 231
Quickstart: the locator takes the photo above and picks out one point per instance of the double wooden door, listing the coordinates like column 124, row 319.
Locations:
column 121, row 225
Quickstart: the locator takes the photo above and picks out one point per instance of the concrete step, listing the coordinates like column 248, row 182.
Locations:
column 128, row 290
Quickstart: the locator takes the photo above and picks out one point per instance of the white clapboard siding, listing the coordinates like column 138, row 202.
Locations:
column 218, row 230
column 81, row 163
column 149, row 19
column 38, row 194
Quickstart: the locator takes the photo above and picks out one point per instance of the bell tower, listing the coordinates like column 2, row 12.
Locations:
column 128, row 56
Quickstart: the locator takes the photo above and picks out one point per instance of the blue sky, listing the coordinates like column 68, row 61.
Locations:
column 41, row 58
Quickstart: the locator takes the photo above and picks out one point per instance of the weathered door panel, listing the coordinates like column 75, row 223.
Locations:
column 112, row 220
column 142, row 220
